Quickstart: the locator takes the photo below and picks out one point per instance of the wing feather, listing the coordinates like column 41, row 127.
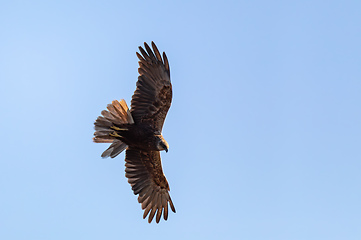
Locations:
column 153, row 95
column 156, row 51
column 150, row 52
column 145, row 175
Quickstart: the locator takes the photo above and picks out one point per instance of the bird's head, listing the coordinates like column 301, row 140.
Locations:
column 161, row 143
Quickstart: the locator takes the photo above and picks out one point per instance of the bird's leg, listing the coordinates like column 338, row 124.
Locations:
column 114, row 134
column 118, row 129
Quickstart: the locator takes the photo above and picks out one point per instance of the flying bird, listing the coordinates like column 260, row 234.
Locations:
column 139, row 131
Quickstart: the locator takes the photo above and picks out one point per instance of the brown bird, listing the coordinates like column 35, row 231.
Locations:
column 139, row 131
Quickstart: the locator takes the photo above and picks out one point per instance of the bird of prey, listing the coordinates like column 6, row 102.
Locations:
column 139, row 131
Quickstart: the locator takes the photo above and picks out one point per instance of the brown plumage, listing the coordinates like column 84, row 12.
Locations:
column 139, row 131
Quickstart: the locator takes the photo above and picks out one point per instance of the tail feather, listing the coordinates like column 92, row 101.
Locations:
column 118, row 109
column 112, row 118
column 114, row 149
column 103, row 122
column 126, row 109
column 117, row 114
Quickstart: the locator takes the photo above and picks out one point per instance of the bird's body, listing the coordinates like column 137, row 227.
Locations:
column 140, row 136
column 139, row 131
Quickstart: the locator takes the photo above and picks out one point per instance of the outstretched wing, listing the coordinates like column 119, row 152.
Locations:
column 145, row 175
column 153, row 95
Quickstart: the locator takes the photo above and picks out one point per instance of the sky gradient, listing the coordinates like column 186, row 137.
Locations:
column 264, row 128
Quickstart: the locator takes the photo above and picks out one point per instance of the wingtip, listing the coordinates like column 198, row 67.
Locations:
column 154, row 45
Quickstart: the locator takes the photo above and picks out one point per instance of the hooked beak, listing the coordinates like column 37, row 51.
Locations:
column 162, row 145
column 165, row 146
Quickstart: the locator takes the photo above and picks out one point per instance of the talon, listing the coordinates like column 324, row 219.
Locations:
column 114, row 134
column 118, row 129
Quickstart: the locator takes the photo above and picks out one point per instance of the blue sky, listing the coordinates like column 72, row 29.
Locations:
column 264, row 128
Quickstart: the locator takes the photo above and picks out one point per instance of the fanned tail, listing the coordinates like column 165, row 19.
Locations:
column 108, row 126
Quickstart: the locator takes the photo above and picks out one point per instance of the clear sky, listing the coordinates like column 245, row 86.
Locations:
column 264, row 128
